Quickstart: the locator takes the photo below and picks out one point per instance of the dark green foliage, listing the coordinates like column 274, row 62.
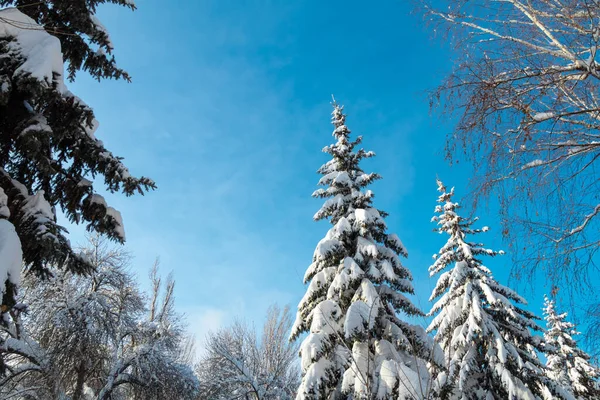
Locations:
column 47, row 143
column 72, row 22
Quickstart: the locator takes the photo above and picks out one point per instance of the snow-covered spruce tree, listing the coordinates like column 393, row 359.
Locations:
column 489, row 349
column 47, row 145
column 357, row 347
column 566, row 363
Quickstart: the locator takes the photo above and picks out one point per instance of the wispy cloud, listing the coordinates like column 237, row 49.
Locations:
column 201, row 321
column 228, row 112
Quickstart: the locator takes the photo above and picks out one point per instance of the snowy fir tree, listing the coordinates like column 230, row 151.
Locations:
column 488, row 346
column 566, row 363
column 357, row 347
column 49, row 154
column 47, row 143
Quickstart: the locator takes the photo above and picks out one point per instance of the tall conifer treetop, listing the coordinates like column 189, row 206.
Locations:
column 356, row 343
column 566, row 363
column 486, row 338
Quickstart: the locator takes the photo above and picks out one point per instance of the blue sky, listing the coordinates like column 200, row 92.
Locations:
column 228, row 112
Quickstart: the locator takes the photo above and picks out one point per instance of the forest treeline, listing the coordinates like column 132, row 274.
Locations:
column 75, row 324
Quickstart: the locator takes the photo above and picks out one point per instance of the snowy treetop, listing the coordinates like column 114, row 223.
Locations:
column 566, row 363
column 476, row 312
column 456, row 248
column 356, row 342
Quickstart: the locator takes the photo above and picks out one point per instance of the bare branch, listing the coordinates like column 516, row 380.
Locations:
column 526, row 93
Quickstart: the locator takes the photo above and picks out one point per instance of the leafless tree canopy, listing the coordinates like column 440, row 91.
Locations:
column 525, row 91
column 97, row 336
column 240, row 365
column 592, row 339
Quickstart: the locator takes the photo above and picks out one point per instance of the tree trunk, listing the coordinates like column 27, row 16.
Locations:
column 78, row 392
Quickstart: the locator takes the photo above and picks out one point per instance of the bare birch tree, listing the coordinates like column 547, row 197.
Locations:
column 525, row 91
column 239, row 365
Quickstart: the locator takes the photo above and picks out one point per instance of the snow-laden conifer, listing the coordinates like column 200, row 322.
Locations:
column 49, row 152
column 566, row 363
column 357, row 345
column 489, row 349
